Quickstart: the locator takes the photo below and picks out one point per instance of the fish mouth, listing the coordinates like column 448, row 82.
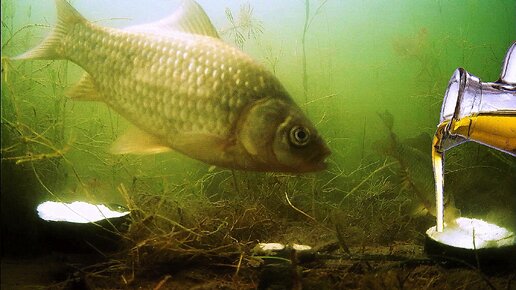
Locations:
column 318, row 160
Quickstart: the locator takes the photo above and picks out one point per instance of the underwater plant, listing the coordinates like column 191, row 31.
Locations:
column 272, row 58
column 307, row 23
column 243, row 26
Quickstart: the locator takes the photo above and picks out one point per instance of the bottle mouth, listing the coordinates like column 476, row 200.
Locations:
column 508, row 74
column 453, row 94
column 464, row 91
column 463, row 96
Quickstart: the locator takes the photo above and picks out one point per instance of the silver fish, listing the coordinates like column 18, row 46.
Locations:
column 185, row 89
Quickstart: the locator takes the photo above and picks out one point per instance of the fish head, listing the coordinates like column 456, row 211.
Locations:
column 279, row 137
column 297, row 144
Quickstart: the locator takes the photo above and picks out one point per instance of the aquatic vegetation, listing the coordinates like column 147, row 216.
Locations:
column 272, row 58
column 243, row 26
column 425, row 53
column 204, row 223
column 308, row 21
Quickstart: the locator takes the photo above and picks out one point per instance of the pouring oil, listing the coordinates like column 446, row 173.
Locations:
column 438, row 164
column 495, row 130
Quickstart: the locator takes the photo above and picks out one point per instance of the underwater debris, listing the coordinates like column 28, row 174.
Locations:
column 285, row 252
column 190, row 226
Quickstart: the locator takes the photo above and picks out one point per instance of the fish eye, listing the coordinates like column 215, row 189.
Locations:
column 299, row 136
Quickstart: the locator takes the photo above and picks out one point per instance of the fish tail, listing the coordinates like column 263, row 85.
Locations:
column 52, row 47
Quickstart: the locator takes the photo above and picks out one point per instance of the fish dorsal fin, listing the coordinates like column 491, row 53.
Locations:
column 135, row 141
column 192, row 18
column 84, row 90
column 189, row 18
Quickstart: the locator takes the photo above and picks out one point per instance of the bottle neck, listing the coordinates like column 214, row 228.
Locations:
column 477, row 111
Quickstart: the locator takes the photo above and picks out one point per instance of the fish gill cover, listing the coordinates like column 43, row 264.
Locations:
column 342, row 64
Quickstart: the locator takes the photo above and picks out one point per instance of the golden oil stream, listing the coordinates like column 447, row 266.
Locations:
column 495, row 130
column 438, row 164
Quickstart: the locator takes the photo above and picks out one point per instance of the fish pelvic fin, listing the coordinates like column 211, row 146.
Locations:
column 51, row 47
column 136, row 141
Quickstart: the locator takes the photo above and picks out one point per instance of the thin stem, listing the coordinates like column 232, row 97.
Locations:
column 303, row 42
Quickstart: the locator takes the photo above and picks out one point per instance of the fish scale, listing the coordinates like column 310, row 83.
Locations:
column 184, row 114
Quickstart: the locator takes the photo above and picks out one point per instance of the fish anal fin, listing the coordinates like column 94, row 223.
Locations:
column 84, row 90
column 136, row 141
column 189, row 18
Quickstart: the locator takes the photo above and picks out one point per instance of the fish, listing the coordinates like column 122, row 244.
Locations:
column 415, row 170
column 184, row 89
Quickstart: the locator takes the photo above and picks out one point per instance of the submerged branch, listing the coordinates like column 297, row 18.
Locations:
column 37, row 157
column 29, row 136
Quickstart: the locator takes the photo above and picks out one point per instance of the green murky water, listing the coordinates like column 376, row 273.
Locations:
column 345, row 62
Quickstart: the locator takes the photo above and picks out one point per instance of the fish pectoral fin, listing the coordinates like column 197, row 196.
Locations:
column 136, row 141
column 189, row 18
column 84, row 90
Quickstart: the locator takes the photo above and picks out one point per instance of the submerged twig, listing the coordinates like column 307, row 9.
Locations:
column 297, row 209
column 320, row 99
column 162, row 282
